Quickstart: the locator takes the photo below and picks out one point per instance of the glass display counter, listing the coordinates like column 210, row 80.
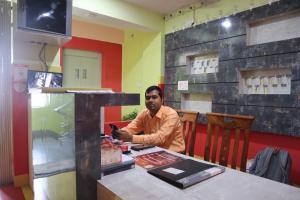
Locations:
column 65, row 135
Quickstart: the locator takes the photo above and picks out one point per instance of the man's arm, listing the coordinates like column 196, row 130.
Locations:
column 122, row 135
column 134, row 127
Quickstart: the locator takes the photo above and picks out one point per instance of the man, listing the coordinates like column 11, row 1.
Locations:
column 161, row 124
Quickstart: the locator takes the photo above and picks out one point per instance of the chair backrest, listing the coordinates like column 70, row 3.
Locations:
column 223, row 124
column 189, row 122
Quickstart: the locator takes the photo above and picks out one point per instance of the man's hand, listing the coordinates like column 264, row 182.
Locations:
column 122, row 135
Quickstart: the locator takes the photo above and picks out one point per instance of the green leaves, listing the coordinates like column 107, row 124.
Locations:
column 130, row 116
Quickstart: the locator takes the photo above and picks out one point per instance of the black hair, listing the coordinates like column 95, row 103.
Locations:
column 154, row 87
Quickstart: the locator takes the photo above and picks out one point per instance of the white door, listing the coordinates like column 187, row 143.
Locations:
column 82, row 69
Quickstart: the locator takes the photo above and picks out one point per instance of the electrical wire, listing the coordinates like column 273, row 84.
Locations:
column 194, row 17
column 43, row 59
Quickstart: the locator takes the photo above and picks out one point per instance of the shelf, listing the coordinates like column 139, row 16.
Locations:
column 275, row 81
column 203, row 64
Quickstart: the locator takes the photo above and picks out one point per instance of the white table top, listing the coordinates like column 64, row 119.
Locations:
column 137, row 184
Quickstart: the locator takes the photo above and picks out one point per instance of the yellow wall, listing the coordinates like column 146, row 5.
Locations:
column 143, row 63
column 209, row 12
column 123, row 11
column 46, row 118
column 28, row 54
column 97, row 32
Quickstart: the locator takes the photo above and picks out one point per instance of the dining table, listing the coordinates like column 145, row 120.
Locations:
column 137, row 184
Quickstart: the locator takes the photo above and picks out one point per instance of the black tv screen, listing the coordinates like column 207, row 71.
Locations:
column 51, row 16
column 39, row 79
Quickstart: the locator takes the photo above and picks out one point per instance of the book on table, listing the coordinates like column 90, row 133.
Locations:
column 177, row 170
column 126, row 163
column 156, row 159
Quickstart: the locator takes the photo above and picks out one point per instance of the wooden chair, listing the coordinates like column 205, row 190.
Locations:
column 223, row 124
column 189, row 122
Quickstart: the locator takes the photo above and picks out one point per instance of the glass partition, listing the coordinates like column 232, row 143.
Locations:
column 64, row 128
column 53, row 143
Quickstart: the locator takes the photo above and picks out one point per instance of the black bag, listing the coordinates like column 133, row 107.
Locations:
column 273, row 164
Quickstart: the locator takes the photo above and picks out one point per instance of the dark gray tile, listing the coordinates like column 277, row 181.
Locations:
column 87, row 138
column 271, row 48
column 172, row 104
column 275, row 113
column 175, row 74
column 238, row 27
column 273, row 9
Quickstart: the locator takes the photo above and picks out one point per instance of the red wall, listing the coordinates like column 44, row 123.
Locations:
column 111, row 78
column 258, row 141
column 111, row 67
column 20, row 133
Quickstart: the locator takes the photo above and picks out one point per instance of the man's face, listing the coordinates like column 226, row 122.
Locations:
column 153, row 102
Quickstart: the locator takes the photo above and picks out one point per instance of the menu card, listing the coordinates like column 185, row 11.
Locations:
column 156, row 159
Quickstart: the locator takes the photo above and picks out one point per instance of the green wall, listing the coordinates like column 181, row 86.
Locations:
column 143, row 62
column 129, row 15
column 57, row 115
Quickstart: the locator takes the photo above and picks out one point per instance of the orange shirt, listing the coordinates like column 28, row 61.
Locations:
column 163, row 130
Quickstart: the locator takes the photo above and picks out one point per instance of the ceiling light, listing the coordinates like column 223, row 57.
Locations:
column 226, row 23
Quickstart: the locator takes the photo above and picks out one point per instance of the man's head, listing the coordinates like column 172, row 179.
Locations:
column 153, row 99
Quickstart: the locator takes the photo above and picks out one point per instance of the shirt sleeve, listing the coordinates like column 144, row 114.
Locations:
column 163, row 135
column 136, row 125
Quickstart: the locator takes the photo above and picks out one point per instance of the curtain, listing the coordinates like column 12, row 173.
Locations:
column 6, row 175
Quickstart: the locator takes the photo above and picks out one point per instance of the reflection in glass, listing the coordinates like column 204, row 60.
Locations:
column 53, row 134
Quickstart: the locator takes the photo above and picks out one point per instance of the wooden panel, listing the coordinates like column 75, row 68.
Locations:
column 189, row 122
column 6, row 146
column 245, row 150
column 235, row 148
column 225, row 145
column 226, row 123
column 105, row 194
column 208, row 142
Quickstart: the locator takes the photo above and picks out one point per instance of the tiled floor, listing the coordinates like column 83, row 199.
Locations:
column 58, row 187
column 55, row 177
column 52, row 154
column 11, row 193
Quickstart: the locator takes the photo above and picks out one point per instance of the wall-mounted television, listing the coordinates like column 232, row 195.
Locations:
column 49, row 16
column 38, row 79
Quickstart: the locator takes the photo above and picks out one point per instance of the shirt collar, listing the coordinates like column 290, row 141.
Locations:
column 158, row 114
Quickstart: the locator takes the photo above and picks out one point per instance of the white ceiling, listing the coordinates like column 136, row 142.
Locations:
column 90, row 17
column 163, row 6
